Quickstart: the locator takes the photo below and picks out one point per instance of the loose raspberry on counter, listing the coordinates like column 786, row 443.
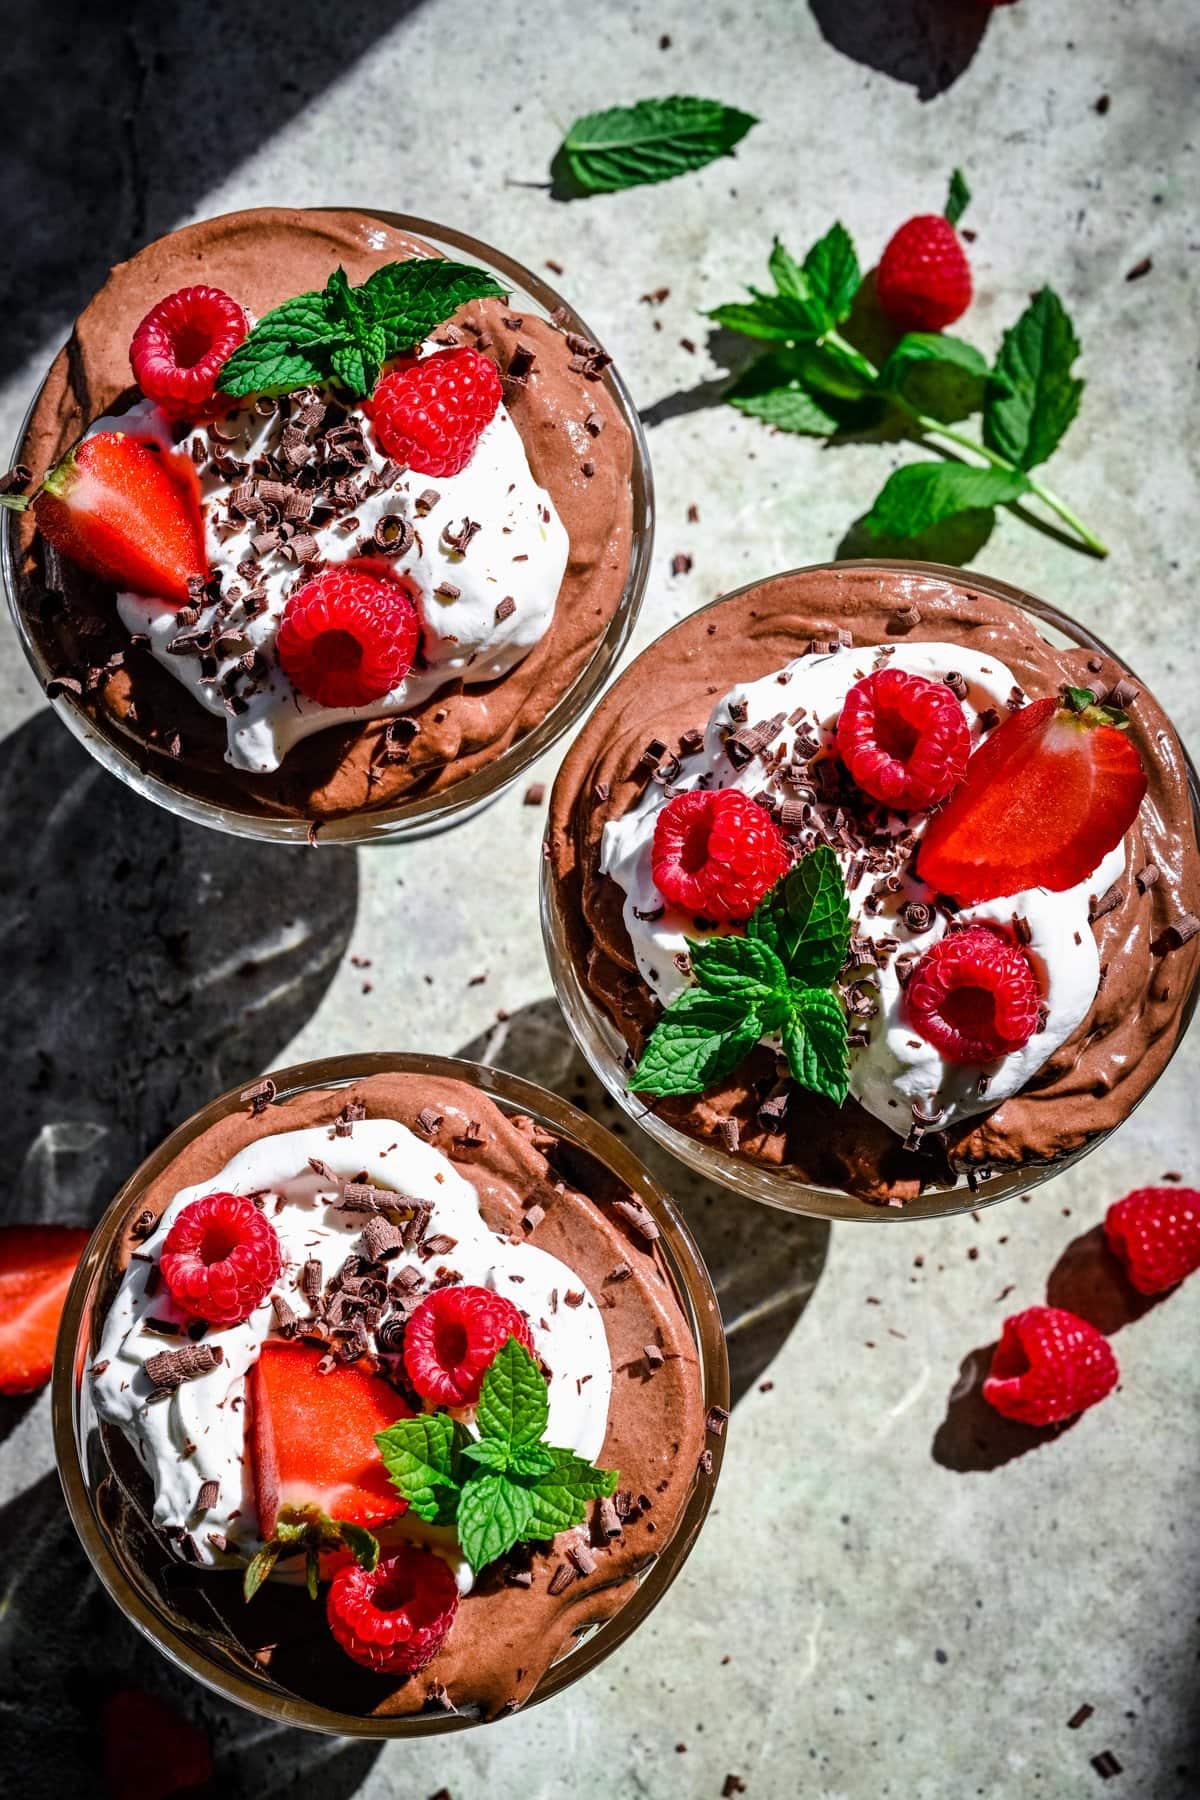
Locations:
column 430, row 413
column 178, row 349
column 716, row 853
column 396, row 1617
column 452, row 1338
column 903, row 738
column 1048, row 1366
column 348, row 637
column 1156, row 1233
column 973, row 996
column 221, row 1259
column 924, row 280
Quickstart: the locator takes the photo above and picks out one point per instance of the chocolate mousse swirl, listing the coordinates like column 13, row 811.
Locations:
column 578, row 448
column 1148, row 961
column 523, row 1611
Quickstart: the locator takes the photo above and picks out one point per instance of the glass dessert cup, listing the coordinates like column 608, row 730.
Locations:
column 146, row 772
column 606, row 1051
column 215, row 1658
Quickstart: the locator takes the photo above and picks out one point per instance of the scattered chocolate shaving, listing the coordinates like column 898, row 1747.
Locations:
column 583, row 1559
column 607, row 1522
column 1108, row 902
column 561, row 1579
column 142, row 1226
column 351, row 1114
column 168, row 1368
column 733, row 1785
column 772, row 1114
column 458, row 538
column 259, row 1097
column 16, row 479
column 593, row 424
column 906, row 617
column 917, row 915
column 653, row 1355
column 447, row 590
column 440, row 1244
column 521, row 362
column 210, row 1493
column 704, row 1462
column 715, row 1420
column 620, row 1272
column 731, row 1134
column 361, row 1196
column 956, row 683
column 1122, row 694
column 1080, row 1716
column 1106, row 1764
column 426, row 501
column 1181, row 930
column 380, row 1238
column 1146, row 878
column 681, row 563
column 989, row 718
column 635, row 1214
column 1139, row 269
column 160, row 1327
column 573, row 1297
column 428, row 1122
column 394, row 535
column 310, row 1282
column 505, row 609
column 533, row 1217
column 286, row 1322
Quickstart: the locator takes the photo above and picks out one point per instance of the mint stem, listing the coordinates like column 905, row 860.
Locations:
column 933, row 427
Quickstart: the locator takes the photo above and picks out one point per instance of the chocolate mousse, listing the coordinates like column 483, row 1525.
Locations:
column 575, row 452
column 392, row 1200
column 1105, row 971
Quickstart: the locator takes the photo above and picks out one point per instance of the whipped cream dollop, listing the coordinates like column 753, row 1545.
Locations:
column 484, row 602
column 895, row 1074
column 196, row 1434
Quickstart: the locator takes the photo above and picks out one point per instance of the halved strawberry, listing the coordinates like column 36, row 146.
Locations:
column 126, row 510
column 311, row 1437
column 1044, row 798
column 36, row 1266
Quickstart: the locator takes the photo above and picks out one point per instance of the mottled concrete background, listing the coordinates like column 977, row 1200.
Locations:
column 892, row 1597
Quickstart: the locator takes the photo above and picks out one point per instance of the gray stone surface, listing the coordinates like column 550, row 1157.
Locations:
column 892, row 1597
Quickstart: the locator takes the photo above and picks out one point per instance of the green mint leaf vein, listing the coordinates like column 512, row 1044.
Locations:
column 739, row 968
column 815, row 1042
column 958, row 197
column 409, row 299
column 652, row 140
column 423, row 1457
column 700, row 1038
column 514, row 1403
column 805, row 919
column 1035, row 396
column 833, row 275
column 934, row 373
column 494, row 1513
column 920, row 495
column 559, row 1499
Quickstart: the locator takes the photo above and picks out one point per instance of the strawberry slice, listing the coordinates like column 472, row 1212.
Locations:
column 1044, row 798
column 126, row 510
column 36, row 1266
column 312, row 1437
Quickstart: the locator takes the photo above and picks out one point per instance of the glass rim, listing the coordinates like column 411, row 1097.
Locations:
column 76, row 1337
column 428, row 812
column 604, row 1049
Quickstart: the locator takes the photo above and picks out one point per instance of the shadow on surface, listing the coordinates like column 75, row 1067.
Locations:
column 146, row 964
column 764, row 1264
column 973, row 1436
column 1089, row 1279
column 924, row 43
column 107, row 167
column 66, row 1647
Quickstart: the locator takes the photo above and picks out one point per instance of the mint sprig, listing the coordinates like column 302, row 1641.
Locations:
column 652, row 140
column 815, row 382
column 775, row 981
column 306, row 1531
column 505, row 1486
column 346, row 333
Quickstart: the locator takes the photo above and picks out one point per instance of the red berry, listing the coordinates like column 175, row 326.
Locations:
column 716, row 853
column 903, row 738
column 452, row 1338
column 430, row 413
column 221, row 1259
column 348, row 637
column 36, row 1266
column 151, row 1752
column 1048, row 1366
column 311, row 1437
column 177, row 351
column 973, row 996
column 1156, row 1233
column 1044, row 799
column 395, row 1617
column 128, row 512
column 923, row 280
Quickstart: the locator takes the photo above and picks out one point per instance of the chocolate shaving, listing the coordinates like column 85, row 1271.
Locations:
column 772, row 1114
column 1181, row 930
column 635, row 1214
column 1122, row 694
column 1146, row 878
column 1108, row 902
column 715, row 1420
column 210, row 1493
column 428, row 1122
column 458, row 538
column 426, row 501
column 905, row 617
column 704, row 1462
column 506, row 608
column 380, row 1238
column 956, row 683
column 168, row 1368
column 16, row 479
column 286, row 1322
column 583, row 1559
column 259, row 1097
column 681, row 563
column 561, row 1579
column 917, row 915
column 653, row 1355
column 521, row 361
column 731, row 1134
column 440, row 1244
column 608, row 1523
column 310, row 1282
column 394, row 535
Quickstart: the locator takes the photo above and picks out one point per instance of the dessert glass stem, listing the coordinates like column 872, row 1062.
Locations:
column 931, row 427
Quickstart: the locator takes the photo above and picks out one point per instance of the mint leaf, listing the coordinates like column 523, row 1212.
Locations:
column 531, row 1459
column 698, row 1039
column 805, row 919
column 1026, row 417
column 559, row 1499
column 779, row 318
column 922, row 494
column 772, row 390
column 486, row 1453
column 958, row 197
column 652, row 140
column 281, row 353
column 833, row 275
column 422, row 1456
column 815, row 1043
column 737, row 968
column 937, row 374
column 409, row 299
column 513, row 1400
column 494, row 1513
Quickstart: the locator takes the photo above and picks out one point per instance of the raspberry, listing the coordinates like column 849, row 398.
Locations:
column 717, row 853
column 177, row 351
column 1048, row 1366
column 396, row 1617
column 1156, row 1233
column 923, row 280
column 221, row 1259
column 973, row 996
column 348, row 637
column 903, row 738
column 429, row 414
column 452, row 1339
